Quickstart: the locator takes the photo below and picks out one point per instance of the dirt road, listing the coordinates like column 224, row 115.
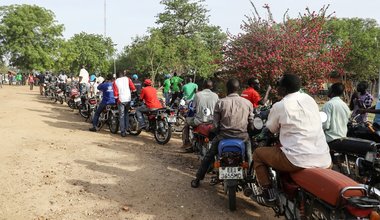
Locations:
column 52, row 167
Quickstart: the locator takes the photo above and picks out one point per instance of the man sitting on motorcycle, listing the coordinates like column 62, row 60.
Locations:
column 149, row 96
column 337, row 112
column 232, row 116
column 303, row 142
column 251, row 93
column 205, row 99
column 108, row 99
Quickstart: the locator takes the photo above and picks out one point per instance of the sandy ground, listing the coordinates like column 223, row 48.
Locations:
column 52, row 167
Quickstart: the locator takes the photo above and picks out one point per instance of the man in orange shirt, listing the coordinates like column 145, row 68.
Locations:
column 251, row 94
column 149, row 96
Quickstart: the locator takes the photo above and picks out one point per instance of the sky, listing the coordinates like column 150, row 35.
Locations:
column 126, row 19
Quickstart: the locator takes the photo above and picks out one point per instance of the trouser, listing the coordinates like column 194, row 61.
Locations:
column 97, row 114
column 31, row 85
column 167, row 98
column 175, row 95
column 139, row 114
column 209, row 158
column 186, row 130
column 265, row 157
column 123, row 116
column 42, row 89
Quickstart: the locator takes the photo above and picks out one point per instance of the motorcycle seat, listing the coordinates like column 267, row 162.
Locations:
column 231, row 145
column 355, row 146
column 203, row 129
column 326, row 184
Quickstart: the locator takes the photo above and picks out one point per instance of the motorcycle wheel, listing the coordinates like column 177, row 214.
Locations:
column 179, row 124
column 318, row 212
column 71, row 104
column 163, row 133
column 113, row 124
column 133, row 126
column 83, row 112
column 231, row 190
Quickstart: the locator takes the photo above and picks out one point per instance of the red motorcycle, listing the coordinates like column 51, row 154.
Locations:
column 314, row 193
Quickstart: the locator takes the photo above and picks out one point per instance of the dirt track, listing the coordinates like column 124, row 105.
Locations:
column 52, row 167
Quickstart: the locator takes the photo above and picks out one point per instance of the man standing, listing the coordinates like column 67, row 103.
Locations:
column 83, row 80
column 108, row 99
column 176, row 83
column 232, row 116
column 205, row 99
column 189, row 89
column 167, row 86
column 303, row 141
column 41, row 81
column 337, row 112
column 122, row 88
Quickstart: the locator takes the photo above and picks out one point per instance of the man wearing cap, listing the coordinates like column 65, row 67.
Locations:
column 149, row 96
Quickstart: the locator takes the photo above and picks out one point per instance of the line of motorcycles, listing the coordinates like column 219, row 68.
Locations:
column 160, row 122
column 348, row 191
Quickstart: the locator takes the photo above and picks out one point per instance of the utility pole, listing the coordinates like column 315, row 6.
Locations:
column 105, row 18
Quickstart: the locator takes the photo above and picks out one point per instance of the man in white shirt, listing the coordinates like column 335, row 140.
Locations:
column 84, row 79
column 122, row 88
column 296, row 117
column 337, row 112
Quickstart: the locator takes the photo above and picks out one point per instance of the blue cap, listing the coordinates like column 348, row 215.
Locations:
column 134, row 76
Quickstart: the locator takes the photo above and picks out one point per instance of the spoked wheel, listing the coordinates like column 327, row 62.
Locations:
column 163, row 132
column 71, row 104
column 133, row 126
column 179, row 124
column 113, row 123
column 83, row 111
column 318, row 212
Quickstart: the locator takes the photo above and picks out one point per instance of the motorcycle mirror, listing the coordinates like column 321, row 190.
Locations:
column 323, row 116
column 182, row 102
column 258, row 123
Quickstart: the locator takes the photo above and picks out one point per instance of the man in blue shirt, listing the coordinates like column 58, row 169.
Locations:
column 108, row 99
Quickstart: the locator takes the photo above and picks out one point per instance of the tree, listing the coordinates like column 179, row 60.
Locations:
column 266, row 49
column 29, row 36
column 92, row 50
column 362, row 36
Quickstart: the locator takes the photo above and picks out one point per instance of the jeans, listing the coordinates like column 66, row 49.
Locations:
column 140, row 117
column 167, row 98
column 97, row 114
column 175, row 95
column 212, row 152
column 123, row 116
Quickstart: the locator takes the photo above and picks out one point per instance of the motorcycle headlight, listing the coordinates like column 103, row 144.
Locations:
column 258, row 123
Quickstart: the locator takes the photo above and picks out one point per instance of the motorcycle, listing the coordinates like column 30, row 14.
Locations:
column 74, row 99
column 107, row 116
column 313, row 193
column 363, row 130
column 156, row 121
column 200, row 138
column 59, row 95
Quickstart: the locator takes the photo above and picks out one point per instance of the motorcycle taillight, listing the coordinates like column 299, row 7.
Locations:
column 359, row 212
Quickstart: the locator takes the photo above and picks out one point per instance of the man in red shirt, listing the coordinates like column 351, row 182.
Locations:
column 149, row 96
column 251, row 94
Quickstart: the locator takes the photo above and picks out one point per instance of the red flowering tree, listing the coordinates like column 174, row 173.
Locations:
column 266, row 49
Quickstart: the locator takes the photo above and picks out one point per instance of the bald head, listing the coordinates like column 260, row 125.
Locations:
column 208, row 84
column 233, row 86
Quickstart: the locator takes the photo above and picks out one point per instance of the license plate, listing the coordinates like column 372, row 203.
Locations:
column 172, row 119
column 230, row 173
column 77, row 99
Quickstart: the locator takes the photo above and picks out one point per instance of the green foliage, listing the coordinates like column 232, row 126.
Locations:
column 363, row 36
column 92, row 50
column 29, row 35
column 184, row 42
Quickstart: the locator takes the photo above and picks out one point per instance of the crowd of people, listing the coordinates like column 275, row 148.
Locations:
column 304, row 138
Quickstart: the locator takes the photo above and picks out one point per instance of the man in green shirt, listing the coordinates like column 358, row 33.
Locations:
column 176, row 83
column 189, row 89
column 338, row 114
column 167, row 89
